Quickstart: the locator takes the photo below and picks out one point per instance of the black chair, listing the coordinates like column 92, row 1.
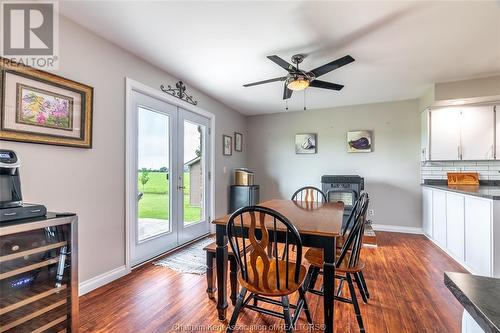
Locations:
column 346, row 227
column 261, row 273
column 348, row 262
column 309, row 194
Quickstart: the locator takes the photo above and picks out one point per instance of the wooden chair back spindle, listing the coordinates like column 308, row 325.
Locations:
column 309, row 194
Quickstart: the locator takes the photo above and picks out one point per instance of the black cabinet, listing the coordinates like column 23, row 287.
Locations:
column 241, row 196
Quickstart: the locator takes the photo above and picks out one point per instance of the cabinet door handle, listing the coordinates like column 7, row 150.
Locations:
column 458, row 153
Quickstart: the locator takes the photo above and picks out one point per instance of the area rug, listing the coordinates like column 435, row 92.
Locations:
column 190, row 259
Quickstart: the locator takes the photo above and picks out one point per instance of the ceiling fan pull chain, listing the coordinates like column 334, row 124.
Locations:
column 305, row 99
column 286, row 104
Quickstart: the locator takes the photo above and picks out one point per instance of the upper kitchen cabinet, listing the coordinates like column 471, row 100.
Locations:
column 477, row 132
column 424, row 138
column 459, row 133
column 497, row 131
column 445, row 134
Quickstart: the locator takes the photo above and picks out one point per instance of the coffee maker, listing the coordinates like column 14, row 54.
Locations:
column 11, row 199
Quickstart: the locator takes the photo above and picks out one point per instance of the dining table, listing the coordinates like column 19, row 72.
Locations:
column 319, row 225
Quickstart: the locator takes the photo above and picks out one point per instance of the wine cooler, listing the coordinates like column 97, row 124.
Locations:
column 38, row 275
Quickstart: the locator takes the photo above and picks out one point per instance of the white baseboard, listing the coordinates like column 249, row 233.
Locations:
column 102, row 279
column 397, row 228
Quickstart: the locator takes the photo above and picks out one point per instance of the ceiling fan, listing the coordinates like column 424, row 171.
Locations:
column 298, row 79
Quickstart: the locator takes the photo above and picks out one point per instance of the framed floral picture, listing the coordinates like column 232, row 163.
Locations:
column 227, row 145
column 41, row 107
column 238, row 141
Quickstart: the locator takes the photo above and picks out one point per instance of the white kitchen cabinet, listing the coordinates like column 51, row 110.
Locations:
column 477, row 133
column 439, row 217
column 469, row 325
column 496, row 110
column 445, row 134
column 424, row 137
column 427, row 211
column 455, row 228
column 460, row 133
column 478, row 225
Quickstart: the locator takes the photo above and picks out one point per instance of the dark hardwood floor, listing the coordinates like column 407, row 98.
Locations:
column 404, row 275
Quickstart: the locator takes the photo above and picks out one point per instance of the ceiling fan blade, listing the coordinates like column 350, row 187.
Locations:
column 282, row 63
column 287, row 93
column 325, row 85
column 265, row 81
column 332, row 65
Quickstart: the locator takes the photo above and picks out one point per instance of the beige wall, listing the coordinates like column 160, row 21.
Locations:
column 480, row 87
column 92, row 182
column 391, row 171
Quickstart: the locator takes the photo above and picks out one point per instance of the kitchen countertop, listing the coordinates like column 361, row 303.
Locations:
column 479, row 295
column 483, row 191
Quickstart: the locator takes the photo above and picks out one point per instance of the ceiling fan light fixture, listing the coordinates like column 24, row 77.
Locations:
column 297, row 84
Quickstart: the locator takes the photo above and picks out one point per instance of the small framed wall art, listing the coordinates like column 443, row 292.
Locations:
column 41, row 107
column 238, row 141
column 305, row 143
column 359, row 141
column 227, row 145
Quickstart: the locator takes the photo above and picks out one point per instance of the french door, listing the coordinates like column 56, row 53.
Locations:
column 171, row 200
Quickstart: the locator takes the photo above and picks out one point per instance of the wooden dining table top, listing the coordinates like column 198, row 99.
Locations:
column 310, row 218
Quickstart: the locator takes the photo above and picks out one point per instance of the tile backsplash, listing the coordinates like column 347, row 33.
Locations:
column 488, row 170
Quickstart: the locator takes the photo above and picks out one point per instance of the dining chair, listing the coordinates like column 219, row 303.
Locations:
column 348, row 264
column 309, row 194
column 260, row 272
column 346, row 227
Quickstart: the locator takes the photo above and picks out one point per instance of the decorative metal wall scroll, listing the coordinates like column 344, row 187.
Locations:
column 180, row 92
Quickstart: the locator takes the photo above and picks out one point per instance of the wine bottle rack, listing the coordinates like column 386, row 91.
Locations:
column 39, row 275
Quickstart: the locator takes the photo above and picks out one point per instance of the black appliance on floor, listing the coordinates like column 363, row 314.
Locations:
column 344, row 188
column 11, row 199
column 242, row 196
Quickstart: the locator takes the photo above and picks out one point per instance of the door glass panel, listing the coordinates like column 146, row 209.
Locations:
column 194, row 173
column 153, row 175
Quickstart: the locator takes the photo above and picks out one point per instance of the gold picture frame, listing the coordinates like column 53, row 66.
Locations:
column 40, row 107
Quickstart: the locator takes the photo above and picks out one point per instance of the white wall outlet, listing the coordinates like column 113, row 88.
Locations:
column 371, row 212
column 224, row 170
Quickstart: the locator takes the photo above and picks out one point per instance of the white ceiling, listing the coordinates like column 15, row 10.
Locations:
column 400, row 47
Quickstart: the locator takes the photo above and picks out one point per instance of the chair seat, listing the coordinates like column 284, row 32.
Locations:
column 258, row 287
column 315, row 258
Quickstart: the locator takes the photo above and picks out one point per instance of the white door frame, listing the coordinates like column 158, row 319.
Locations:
column 131, row 136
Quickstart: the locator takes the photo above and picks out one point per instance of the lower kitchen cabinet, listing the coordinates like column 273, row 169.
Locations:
column 469, row 325
column 455, row 226
column 427, row 211
column 478, row 228
column 467, row 227
column 439, row 217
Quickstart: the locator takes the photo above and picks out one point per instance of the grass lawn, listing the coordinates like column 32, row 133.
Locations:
column 154, row 202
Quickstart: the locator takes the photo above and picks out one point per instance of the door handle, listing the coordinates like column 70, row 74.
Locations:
column 180, row 187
